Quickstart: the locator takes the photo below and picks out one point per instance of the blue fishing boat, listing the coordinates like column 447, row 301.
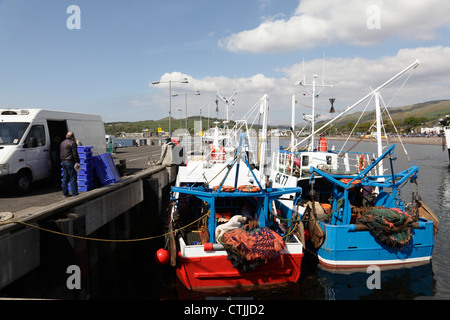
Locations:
column 352, row 209
column 382, row 233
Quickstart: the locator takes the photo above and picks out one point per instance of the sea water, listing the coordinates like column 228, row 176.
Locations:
column 430, row 281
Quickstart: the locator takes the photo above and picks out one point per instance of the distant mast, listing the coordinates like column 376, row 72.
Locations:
column 227, row 105
column 314, row 94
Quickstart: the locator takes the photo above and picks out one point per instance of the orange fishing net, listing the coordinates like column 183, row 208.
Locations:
column 249, row 248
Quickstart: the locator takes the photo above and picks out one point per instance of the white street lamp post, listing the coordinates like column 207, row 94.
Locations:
column 197, row 93
column 170, row 99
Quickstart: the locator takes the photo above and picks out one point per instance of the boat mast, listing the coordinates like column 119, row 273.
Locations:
column 264, row 109
column 313, row 118
column 314, row 94
column 379, row 140
column 226, row 101
column 293, row 123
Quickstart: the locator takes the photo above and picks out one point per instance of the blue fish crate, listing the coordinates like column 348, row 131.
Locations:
column 85, row 188
column 87, row 184
column 106, row 169
column 84, row 149
column 86, row 171
column 86, row 155
column 86, row 162
column 90, row 176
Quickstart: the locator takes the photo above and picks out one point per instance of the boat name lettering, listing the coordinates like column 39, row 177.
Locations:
column 281, row 179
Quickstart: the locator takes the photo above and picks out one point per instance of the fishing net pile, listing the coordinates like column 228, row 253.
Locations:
column 249, row 247
column 389, row 226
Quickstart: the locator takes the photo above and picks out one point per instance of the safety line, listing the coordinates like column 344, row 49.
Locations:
column 98, row 239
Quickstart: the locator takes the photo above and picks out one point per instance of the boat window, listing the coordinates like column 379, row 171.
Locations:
column 329, row 160
column 305, row 160
column 12, row 132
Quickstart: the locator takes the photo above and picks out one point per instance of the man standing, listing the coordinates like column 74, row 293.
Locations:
column 69, row 159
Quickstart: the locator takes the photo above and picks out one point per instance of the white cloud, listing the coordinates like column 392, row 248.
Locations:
column 263, row 3
column 325, row 22
column 352, row 79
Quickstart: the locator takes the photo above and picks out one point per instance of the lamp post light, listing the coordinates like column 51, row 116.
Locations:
column 196, row 93
column 185, row 80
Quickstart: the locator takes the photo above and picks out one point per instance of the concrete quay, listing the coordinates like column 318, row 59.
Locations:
column 129, row 208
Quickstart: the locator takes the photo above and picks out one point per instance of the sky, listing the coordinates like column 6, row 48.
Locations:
column 103, row 57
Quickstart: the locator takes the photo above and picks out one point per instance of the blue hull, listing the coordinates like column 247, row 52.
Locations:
column 346, row 249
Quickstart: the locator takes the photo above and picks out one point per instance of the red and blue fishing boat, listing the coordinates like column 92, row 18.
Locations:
column 232, row 235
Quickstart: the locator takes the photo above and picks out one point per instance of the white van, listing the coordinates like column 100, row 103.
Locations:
column 26, row 137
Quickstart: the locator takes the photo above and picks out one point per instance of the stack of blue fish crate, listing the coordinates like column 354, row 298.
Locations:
column 95, row 170
column 105, row 169
column 86, row 175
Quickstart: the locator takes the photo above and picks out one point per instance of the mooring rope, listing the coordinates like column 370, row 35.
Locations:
column 99, row 239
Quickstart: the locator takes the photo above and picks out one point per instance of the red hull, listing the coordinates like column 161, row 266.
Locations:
column 199, row 273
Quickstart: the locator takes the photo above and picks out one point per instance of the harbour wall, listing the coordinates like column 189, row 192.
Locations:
column 83, row 231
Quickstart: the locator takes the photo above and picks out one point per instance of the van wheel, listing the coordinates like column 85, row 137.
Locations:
column 23, row 182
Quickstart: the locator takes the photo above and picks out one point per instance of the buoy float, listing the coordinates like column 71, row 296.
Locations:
column 347, row 180
column 225, row 188
column 362, row 163
column 249, row 188
column 162, row 256
column 326, row 207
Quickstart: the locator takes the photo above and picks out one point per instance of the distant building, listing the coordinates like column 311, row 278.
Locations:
column 434, row 130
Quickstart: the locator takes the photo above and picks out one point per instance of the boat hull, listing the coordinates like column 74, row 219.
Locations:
column 200, row 270
column 346, row 249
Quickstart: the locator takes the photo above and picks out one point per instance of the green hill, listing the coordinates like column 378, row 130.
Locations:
column 430, row 112
column 152, row 125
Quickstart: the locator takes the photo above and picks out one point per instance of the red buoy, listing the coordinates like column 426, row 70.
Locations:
column 162, row 256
